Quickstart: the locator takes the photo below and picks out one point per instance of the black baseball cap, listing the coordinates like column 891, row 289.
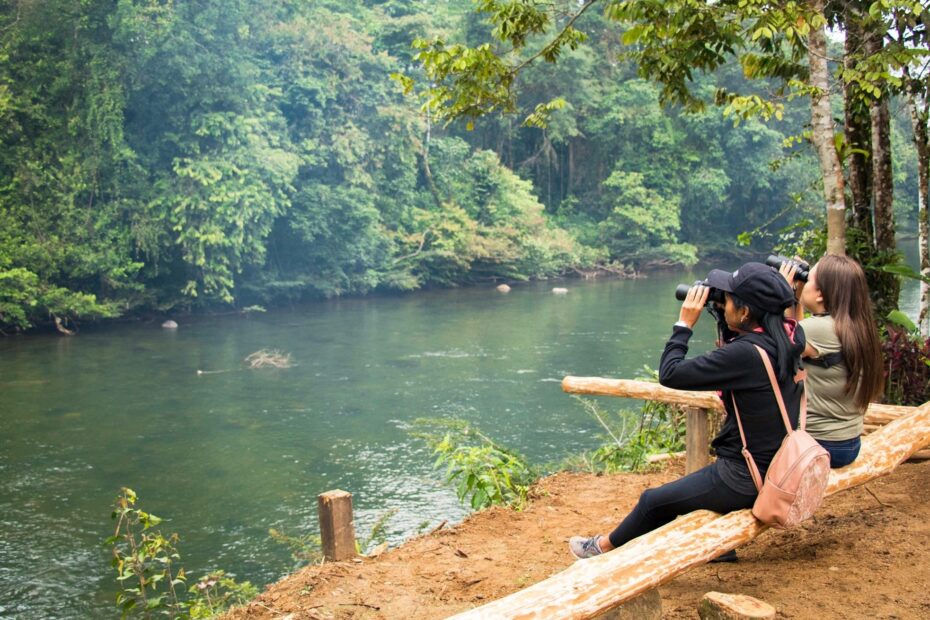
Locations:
column 758, row 285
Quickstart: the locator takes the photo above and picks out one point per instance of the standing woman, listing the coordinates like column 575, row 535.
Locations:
column 843, row 353
column 756, row 299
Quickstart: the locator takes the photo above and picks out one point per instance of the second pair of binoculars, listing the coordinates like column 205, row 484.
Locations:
column 774, row 260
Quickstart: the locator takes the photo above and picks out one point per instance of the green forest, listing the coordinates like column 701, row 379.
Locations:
column 165, row 156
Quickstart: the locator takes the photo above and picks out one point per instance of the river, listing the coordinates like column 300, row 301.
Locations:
column 223, row 452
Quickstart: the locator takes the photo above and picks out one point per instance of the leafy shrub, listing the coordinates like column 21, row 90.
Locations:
column 144, row 561
column 632, row 438
column 24, row 299
column 484, row 472
column 907, row 367
column 150, row 579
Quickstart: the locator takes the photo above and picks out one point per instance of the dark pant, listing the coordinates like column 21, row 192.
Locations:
column 842, row 452
column 701, row 490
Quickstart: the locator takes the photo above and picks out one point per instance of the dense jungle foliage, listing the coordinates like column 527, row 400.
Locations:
column 164, row 155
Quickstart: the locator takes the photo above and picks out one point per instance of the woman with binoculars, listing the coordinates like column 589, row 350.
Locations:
column 843, row 353
column 756, row 297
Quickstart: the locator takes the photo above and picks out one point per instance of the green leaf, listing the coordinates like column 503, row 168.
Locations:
column 905, row 271
column 896, row 317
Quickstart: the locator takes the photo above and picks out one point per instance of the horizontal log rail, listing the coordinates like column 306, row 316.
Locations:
column 594, row 586
column 877, row 414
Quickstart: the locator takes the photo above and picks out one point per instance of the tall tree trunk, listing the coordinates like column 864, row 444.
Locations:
column 920, row 118
column 882, row 180
column 822, row 136
column 885, row 287
column 424, row 159
column 571, row 166
column 857, row 126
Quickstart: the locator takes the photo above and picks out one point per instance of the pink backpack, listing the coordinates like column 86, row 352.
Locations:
column 797, row 477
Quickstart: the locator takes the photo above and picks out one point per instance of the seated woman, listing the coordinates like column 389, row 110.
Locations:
column 756, row 299
column 843, row 353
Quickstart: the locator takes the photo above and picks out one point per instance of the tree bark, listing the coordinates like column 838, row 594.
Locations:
column 571, row 166
column 337, row 527
column 424, row 159
column 920, row 117
column 883, row 287
column 822, row 136
column 858, row 137
column 882, row 181
column 697, row 439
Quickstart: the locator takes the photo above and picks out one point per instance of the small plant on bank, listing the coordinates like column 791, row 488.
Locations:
column 150, row 578
column 216, row 592
column 378, row 534
column 144, row 560
column 484, row 472
column 306, row 549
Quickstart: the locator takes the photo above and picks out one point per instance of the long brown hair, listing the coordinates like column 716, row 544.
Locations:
column 846, row 297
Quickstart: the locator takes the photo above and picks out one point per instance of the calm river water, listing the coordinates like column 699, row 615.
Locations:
column 228, row 453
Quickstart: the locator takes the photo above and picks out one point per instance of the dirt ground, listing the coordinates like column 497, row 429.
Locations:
column 865, row 555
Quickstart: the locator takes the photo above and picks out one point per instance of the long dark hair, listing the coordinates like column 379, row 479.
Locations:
column 786, row 362
column 845, row 294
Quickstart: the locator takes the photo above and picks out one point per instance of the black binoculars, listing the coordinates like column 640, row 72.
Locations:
column 803, row 269
column 714, row 296
column 717, row 296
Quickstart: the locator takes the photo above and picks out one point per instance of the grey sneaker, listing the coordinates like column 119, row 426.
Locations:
column 582, row 547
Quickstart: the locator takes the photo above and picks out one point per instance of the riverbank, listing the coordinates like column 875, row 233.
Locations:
column 863, row 556
column 71, row 326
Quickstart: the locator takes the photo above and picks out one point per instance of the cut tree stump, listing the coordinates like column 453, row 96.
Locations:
column 645, row 607
column 722, row 606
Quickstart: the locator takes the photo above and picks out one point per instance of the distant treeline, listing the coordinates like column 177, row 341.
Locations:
column 162, row 156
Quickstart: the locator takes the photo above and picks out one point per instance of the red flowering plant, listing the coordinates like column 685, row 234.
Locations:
column 907, row 362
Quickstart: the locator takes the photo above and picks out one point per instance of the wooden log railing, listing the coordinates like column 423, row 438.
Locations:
column 590, row 588
column 698, row 407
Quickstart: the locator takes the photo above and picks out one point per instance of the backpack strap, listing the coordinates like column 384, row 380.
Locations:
column 827, row 361
column 777, row 390
column 753, row 468
column 751, row 462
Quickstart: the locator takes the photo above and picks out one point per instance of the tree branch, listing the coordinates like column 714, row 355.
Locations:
column 587, row 5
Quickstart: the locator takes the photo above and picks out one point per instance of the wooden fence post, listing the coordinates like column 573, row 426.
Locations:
column 337, row 529
column 696, row 438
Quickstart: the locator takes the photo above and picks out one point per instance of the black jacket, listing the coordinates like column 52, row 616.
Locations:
column 737, row 369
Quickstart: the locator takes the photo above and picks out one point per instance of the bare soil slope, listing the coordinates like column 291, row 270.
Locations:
column 865, row 555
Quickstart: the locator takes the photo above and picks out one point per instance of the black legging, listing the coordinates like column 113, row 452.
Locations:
column 701, row 490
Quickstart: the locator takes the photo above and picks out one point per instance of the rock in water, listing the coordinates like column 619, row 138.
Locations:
column 560, row 291
column 169, row 325
column 503, row 288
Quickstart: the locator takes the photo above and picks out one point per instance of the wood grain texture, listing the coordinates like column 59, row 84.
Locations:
column 337, row 528
column 877, row 414
column 697, row 439
column 590, row 587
